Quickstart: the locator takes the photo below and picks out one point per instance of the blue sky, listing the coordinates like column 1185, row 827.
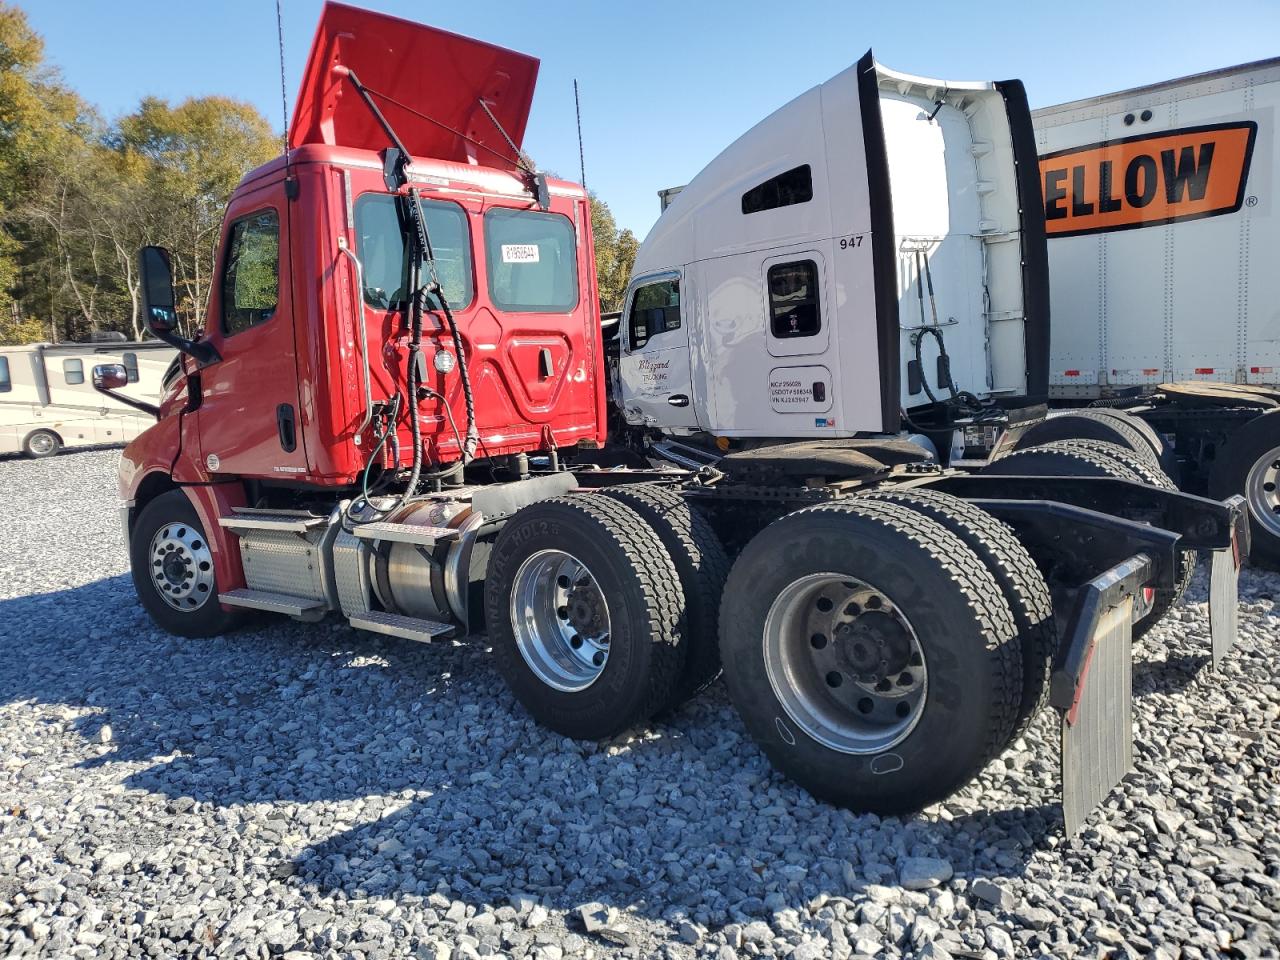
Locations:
column 665, row 85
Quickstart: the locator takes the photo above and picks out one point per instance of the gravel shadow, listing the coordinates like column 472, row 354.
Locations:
column 456, row 789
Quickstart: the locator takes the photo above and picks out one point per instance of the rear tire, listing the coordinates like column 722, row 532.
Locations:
column 173, row 570
column 585, row 568
column 1083, row 458
column 702, row 565
column 41, row 443
column 1248, row 464
column 1020, row 580
column 1159, row 450
column 1087, row 425
column 889, row 587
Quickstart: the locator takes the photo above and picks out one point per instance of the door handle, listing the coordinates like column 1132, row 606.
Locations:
column 285, row 428
column 678, row 400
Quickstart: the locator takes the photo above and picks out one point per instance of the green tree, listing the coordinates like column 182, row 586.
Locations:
column 615, row 255
column 44, row 129
column 195, row 154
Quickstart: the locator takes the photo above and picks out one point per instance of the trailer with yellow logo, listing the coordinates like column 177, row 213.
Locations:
column 1163, row 235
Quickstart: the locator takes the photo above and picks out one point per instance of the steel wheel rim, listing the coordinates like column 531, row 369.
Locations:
column 1261, row 490
column 41, row 444
column 845, row 663
column 561, row 620
column 181, row 566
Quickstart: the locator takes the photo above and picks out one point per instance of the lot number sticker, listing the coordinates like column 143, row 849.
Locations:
column 519, row 253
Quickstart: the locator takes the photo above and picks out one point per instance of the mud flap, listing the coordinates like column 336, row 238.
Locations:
column 1092, row 688
column 1224, row 583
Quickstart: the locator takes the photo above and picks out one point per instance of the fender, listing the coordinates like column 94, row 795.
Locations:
column 151, row 464
column 211, row 501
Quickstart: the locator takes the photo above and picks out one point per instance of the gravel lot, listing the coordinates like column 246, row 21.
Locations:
column 313, row 791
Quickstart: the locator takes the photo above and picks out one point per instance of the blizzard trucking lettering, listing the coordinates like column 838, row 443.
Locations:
column 1145, row 180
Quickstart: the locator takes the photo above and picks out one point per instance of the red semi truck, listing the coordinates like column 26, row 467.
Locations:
column 402, row 411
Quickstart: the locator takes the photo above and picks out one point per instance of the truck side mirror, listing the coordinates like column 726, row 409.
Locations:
column 159, row 306
column 109, row 376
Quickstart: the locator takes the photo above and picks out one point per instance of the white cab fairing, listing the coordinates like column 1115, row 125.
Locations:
column 797, row 253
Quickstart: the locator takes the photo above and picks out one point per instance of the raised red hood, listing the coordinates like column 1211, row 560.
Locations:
column 437, row 74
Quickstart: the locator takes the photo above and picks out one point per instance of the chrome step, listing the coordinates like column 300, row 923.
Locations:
column 274, row 603
column 395, row 625
column 285, row 521
column 404, row 533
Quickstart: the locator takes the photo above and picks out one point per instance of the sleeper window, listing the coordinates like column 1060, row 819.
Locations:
column 131, row 367
column 381, row 222
column 5, row 383
column 532, row 261
column 655, row 308
column 794, row 186
column 73, row 371
column 793, row 299
column 251, row 275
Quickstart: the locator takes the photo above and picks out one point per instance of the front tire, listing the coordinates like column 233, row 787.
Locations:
column 585, row 614
column 173, row 571
column 871, row 655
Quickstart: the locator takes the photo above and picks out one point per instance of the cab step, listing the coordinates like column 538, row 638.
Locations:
column 404, row 533
column 283, row 521
column 395, row 625
column 303, row 607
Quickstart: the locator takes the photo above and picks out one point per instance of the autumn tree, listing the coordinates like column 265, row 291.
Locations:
column 615, row 255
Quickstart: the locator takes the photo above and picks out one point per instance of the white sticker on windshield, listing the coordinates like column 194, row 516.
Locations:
column 519, row 253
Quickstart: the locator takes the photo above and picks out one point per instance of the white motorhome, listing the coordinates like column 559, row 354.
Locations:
column 1163, row 231
column 48, row 402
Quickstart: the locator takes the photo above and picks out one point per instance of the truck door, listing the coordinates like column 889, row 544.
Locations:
column 249, row 417
column 657, row 384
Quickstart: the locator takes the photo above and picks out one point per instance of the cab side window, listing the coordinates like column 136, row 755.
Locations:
column 655, row 309
column 131, row 367
column 251, row 274
column 793, row 299
column 6, row 384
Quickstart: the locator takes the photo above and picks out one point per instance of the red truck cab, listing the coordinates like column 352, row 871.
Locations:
column 307, row 311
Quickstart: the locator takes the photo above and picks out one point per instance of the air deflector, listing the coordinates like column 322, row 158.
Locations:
column 416, row 72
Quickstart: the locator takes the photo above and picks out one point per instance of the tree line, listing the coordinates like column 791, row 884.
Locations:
column 79, row 195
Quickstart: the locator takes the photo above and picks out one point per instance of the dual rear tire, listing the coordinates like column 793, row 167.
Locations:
column 881, row 650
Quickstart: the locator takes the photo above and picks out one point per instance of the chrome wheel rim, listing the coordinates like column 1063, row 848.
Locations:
column 561, row 620
column 1261, row 490
column 181, row 566
column 41, row 444
column 845, row 663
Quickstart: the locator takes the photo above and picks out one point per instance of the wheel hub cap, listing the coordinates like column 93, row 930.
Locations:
column 181, row 566
column 1262, row 493
column 845, row 663
column 561, row 620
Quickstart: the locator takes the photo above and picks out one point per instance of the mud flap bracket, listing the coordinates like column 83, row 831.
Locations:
column 1092, row 689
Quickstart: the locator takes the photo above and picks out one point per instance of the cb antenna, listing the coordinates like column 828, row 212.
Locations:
column 577, row 109
column 284, row 96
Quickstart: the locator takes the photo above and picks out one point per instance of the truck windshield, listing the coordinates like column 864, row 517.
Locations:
column 532, row 261
column 381, row 247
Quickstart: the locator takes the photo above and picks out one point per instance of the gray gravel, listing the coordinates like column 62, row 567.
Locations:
column 312, row 791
